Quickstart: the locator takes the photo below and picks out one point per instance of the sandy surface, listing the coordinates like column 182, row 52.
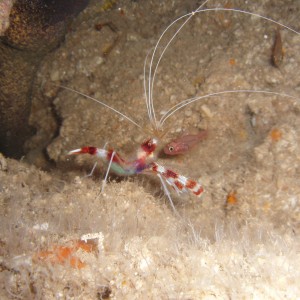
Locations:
column 239, row 240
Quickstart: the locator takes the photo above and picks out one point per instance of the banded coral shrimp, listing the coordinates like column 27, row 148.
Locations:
column 238, row 155
column 192, row 114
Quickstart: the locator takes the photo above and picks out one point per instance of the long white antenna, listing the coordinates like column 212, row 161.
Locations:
column 186, row 102
column 249, row 13
column 151, row 80
column 148, row 106
column 148, row 88
column 183, row 103
column 102, row 103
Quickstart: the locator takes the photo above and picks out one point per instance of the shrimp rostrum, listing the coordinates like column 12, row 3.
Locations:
column 145, row 159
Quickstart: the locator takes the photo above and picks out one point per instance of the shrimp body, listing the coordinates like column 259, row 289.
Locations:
column 119, row 165
column 143, row 164
column 184, row 143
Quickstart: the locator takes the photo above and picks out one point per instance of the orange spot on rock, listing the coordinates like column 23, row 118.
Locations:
column 232, row 61
column 275, row 135
column 231, row 198
column 65, row 254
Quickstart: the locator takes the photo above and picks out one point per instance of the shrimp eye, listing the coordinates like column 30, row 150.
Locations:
column 171, row 148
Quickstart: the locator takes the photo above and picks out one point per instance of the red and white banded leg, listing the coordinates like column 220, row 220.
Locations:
column 179, row 182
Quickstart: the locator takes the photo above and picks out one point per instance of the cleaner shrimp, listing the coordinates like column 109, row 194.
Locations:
column 145, row 161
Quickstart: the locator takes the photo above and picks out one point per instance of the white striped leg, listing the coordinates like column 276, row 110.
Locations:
column 167, row 193
column 179, row 182
column 107, row 172
column 92, row 171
